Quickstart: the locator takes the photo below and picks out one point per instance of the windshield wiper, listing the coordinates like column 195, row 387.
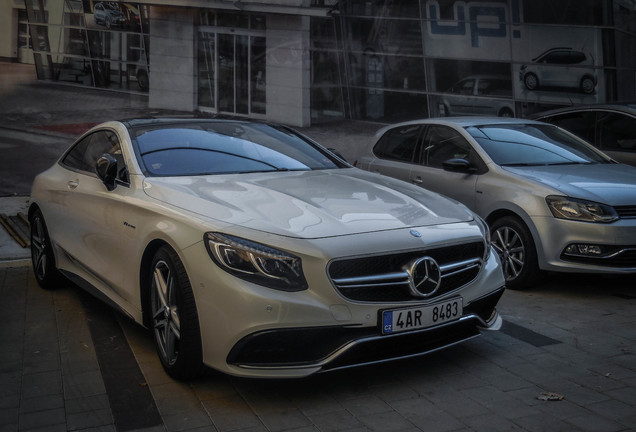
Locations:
column 521, row 164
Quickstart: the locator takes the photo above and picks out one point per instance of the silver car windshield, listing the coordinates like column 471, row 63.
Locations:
column 531, row 145
column 223, row 148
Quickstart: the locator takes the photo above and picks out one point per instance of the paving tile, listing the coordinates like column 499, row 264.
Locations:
column 90, row 419
column 83, row 384
column 436, row 420
column 41, row 403
column 285, row 420
column 41, row 384
column 491, row 423
column 318, row 404
column 86, row 404
column 613, row 409
column 534, row 423
column 230, row 413
column 389, row 421
column 594, row 423
column 361, row 407
column 184, row 422
column 41, row 361
column 41, row 419
column 336, row 421
column 412, row 407
column 9, row 416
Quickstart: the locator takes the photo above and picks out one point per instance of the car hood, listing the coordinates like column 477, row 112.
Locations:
column 613, row 184
column 308, row 204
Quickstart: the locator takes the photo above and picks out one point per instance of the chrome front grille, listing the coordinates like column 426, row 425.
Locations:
column 383, row 278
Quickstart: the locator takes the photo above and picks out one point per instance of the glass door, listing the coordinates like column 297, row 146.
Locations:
column 231, row 73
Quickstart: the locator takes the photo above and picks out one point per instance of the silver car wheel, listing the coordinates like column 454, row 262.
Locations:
column 587, row 85
column 508, row 244
column 165, row 313
column 531, row 81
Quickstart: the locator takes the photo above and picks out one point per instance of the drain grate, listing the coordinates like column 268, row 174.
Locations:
column 18, row 228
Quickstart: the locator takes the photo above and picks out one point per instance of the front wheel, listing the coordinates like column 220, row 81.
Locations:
column 587, row 85
column 513, row 242
column 175, row 320
column 42, row 258
column 531, row 81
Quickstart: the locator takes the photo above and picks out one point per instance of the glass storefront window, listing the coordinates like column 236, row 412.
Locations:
column 231, row 71
column 101, row 43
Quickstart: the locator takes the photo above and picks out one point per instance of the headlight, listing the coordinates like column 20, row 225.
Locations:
column 255, row 262
column 580, row 210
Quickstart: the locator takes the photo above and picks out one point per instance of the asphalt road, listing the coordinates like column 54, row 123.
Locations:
column 24, row 155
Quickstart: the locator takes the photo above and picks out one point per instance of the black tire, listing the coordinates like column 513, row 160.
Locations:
column 506, row 112
column 42, row 258
column 142, row 79
column 587, row 85
column 531, row 81
column 175, row 322
column 513, row 242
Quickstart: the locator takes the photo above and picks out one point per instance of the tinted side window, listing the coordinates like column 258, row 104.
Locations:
column 83, row 156
column 398, row 143
column 557, row 57
column 105, row 142
column 577, row 57
column 75, row 157
column 443, row 143
column 580, row 124
column 617, row 132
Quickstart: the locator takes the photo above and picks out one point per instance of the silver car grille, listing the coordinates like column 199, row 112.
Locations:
column 383, row 278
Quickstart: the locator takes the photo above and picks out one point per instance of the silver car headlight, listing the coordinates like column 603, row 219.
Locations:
column 580, row 210
column 255, row 262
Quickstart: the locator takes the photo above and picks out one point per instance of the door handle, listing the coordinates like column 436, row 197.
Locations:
column 417, row 180
column 73, row 184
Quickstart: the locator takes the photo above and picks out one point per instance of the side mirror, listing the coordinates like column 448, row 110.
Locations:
column 458, row 165
column 106, row 168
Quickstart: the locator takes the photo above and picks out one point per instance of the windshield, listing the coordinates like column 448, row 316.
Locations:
column 204, row 148
column 533, row 144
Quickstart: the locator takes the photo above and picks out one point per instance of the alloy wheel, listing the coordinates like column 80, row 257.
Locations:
column 509, row 245
column 166, row 321
column 38, row 248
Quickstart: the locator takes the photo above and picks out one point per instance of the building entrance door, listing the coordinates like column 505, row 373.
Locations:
column 231, row 72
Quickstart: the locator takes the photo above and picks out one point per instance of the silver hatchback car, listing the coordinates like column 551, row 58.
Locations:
column 553, row 202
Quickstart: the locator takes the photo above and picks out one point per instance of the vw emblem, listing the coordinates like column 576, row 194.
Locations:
column 415, row 233
column 425, row 276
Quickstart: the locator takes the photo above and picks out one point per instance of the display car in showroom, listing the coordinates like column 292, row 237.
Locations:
column 249, row 248
column 560, row 68
column 553, row 202
column 610, row 128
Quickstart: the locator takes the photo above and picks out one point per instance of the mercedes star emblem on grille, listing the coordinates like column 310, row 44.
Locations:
column 424, row 276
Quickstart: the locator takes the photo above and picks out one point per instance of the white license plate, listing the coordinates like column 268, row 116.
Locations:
column 399, row 320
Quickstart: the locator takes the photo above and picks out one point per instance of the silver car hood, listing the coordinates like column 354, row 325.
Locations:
column 308, row 204
column 613, row 184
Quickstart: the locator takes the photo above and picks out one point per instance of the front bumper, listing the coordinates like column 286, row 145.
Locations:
column 337, row 347
column 616, row 240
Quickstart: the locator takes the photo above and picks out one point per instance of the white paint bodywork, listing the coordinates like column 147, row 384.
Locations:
column 101, row 236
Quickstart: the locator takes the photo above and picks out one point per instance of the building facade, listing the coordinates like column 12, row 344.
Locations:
column 304, row 61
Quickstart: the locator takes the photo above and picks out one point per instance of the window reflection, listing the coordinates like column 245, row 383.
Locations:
column 101, row 44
